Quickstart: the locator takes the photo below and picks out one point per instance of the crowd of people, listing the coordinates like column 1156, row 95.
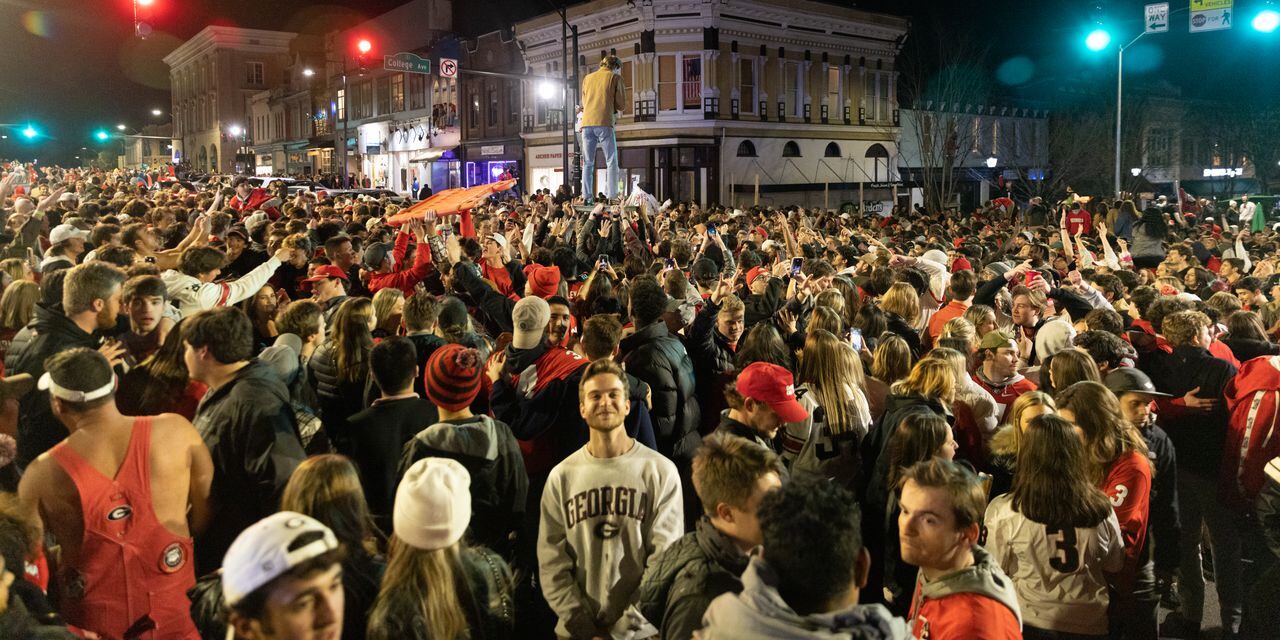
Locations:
column 540, row 418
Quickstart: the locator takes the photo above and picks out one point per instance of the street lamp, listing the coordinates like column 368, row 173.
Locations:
column 1097, row 40
column 120, row 127
column 157, row 113
column 992, row 162
column 1266, row 21
column 546, row 90
column 308, row 72
column 1136, row 171
column 235, row 130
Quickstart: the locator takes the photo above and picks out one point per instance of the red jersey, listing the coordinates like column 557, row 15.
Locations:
column 540, row 452
column 1078, row 219
column 130, row 566
column 1128, row 485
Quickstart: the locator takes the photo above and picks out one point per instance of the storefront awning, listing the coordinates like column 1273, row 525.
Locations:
column 431, row 155
column 321, row 144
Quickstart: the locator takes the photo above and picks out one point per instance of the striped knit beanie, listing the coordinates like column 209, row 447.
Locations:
column 452, row 378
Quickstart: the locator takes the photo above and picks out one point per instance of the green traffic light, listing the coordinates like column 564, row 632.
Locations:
column 1097, row 40
column 30, row 132
column 101, row 135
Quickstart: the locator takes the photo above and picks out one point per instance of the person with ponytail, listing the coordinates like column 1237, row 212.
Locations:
column 831, row 383
column 437, row 586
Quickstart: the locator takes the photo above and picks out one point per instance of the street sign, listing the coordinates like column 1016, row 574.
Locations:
column 407, row 62
column 1211, row 15
column 448, row 68
column 1157, row 17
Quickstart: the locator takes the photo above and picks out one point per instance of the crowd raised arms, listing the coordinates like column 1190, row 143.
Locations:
column 238, row 411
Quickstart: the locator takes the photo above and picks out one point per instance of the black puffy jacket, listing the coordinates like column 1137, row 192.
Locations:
column 659, row 359
column 337, row 399
column 49, row 332
column 903, row 329
column 713, row 361
column 682, row 581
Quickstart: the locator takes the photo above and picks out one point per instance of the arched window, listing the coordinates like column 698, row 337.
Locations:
column 833, row 150
column 213, row 157
column 791, row 149
column 746, row 149
column 879, row 160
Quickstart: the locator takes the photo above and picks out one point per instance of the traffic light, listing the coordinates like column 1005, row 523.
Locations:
column 29, row 132
column 1266, row 21
column 101, row 135
column 363, row 46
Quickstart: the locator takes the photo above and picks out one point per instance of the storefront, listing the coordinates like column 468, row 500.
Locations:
column 485, row 162
column 681, row 172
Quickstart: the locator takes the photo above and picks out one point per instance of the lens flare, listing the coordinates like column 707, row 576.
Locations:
column 37, row 23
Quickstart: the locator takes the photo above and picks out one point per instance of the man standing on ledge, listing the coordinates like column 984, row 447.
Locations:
column 602, row 99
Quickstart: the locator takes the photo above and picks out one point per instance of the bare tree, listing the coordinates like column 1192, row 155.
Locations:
column 943, row 83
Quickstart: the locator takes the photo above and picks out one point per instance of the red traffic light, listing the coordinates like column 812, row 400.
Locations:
column 364, row 46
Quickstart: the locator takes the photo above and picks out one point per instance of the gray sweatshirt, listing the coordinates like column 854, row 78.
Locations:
column 603, row 520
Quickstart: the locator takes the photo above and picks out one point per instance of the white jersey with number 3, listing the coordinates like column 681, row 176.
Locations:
column 1057, row 573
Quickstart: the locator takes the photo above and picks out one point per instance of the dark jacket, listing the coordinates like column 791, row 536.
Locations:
column 660, row 360
column 424, row 345
column 495, row 308
column 683, row 579
column 1197, row 436
column 49, row 332
column 734, row 428
column 338, row 399
column 903, row 329
column 378, row 436
column 1164, row 523
column 250, row 430
column 762, row 308
column 713, row 361
column 16, row 623
column 876, row 503
column 490, row 612
column 499, row 483
column 361, row 579
column 1245, row 349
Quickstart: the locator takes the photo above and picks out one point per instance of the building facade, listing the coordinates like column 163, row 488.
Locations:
column 396, row 129
column 212, row 76
column 790, row 100
column 149, row 148
column 284, row 120
column 491, row 146
column 986, row 149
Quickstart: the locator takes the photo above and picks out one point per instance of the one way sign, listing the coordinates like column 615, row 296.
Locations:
column 1158, row 17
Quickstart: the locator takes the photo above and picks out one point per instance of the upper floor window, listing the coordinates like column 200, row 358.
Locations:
column 253, row 73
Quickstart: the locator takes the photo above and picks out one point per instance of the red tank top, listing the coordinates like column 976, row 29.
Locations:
column 132, row 577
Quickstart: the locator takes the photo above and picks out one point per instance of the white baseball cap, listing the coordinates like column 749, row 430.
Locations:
column 64, row 232
column 270, row 548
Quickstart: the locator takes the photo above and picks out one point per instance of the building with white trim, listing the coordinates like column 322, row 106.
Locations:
column 794, row 94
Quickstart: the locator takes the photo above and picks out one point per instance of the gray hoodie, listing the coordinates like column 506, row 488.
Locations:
column 760, row 612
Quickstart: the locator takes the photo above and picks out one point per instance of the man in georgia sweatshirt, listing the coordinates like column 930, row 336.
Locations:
column 607, row 510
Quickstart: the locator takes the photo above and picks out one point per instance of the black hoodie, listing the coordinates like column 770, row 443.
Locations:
column 49, row 332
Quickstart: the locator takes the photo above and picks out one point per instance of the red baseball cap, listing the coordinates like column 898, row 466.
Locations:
column 327, row 271
column 774, row 386
column 755, row 272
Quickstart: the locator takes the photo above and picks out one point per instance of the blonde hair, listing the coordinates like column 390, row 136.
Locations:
column 18, row 303
column 931, row 378
column 832, row 298
column 383, row 302
column 960, row 328
column 958, row 361
column 427, row 584
column 732, row 304
column 833, row 372
column 1013, row 417
column 892, row 359
column 901, row 299
column 1182, row 327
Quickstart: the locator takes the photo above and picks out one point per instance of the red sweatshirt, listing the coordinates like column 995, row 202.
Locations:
column 404, row 279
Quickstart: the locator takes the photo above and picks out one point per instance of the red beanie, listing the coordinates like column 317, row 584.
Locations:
column 543, row 281
column 452, row 378
column 961, row 264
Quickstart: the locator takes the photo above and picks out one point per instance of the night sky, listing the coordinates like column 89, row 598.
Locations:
column 73, row 66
